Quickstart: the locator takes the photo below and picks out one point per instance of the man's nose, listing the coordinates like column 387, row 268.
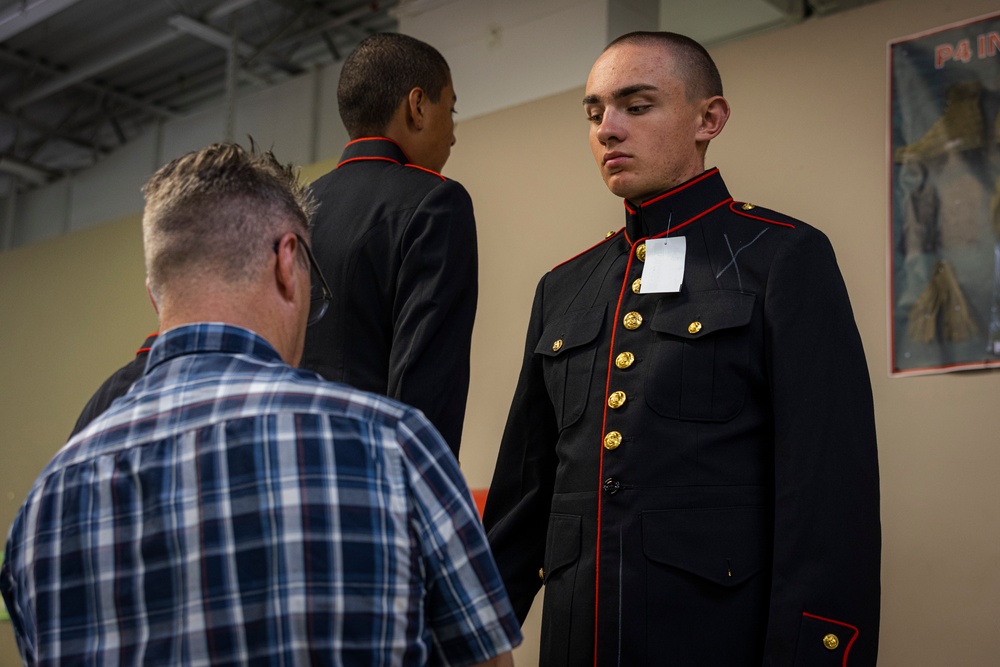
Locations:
column 611, row 127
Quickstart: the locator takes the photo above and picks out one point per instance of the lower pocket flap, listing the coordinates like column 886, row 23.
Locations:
column 562, row 544
column 726, row 545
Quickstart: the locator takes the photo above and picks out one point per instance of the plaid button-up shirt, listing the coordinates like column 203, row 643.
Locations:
column 231, row 509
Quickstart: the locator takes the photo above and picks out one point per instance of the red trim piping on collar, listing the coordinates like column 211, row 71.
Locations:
column 429, row 171
column 854, row 637
column 685, row 223
column 359, row 139
column 606, row 239
column 739, row 211
column 683, row 186
column 367, row 159
column 627, row 207
column 147, row 349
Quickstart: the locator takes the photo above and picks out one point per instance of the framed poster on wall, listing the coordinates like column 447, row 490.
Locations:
column 944, row 209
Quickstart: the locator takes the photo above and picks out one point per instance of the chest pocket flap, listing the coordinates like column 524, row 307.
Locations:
column 703, row 314
column 571, row 330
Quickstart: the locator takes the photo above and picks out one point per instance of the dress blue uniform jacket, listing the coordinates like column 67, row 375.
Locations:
column 694, row 474
column 397, row 244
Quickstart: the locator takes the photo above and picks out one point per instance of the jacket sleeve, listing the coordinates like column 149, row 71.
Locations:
column 517, row 506
column 827, row 536
column 434, row 310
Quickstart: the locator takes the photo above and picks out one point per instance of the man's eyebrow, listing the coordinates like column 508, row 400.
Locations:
column 622, row 92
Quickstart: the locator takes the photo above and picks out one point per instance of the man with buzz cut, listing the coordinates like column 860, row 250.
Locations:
column 397, row 238
column 231, row 509
column 689, row 464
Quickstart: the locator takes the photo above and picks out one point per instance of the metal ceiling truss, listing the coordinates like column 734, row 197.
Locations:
column 59, row 113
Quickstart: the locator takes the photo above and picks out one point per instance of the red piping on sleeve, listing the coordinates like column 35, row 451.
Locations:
column 429, row 171
column 738, row 211
column 854, row 637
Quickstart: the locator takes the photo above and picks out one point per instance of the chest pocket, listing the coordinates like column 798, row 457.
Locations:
column 698, row 363
column 568, row 346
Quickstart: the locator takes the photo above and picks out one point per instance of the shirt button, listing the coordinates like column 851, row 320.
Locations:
column 616, row 400
column 636, row 285
column 640, row 252
column 611, row 486
column 632, row 321
column 612, row 440
column 624, row 360
column 556, row 346
column 694, row 327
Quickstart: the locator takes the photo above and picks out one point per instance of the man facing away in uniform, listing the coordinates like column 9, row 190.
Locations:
column 232, row 509
column 397, row 239
column 689, row 464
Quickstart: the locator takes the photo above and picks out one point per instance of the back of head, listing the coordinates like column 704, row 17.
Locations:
column 694, row 64
column 380, row 73
column 215, row 213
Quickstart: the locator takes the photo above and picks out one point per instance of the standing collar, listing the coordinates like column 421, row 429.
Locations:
column 373, row 148
column 676, row 207
column 209, row 337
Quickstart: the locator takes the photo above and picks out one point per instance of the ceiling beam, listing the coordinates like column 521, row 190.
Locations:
column 24, row 170
column 91, row 68
column 25, row 14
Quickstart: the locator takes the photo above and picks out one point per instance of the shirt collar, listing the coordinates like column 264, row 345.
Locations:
column 373, row 148
column 208, row 337
column 676, row 207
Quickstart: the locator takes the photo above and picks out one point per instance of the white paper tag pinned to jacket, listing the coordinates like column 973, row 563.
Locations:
column 664, row 267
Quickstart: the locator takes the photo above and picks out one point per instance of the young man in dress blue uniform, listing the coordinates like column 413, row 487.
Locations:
column 397, row 239
column 689, row 465
column 232, row 509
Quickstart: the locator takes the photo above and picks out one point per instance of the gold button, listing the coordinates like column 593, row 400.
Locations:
column 616, row 400
column 556, row 346
column 624, row 360
column 633, row 320
column 749, row 207
column 830, row 641
column 693, row 328
column 609, row 234
column 640, row 252
column 636, row 285
column 541, row 573
column 612, row 440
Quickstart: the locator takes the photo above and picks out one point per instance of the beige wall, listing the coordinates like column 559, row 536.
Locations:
column 807, row 137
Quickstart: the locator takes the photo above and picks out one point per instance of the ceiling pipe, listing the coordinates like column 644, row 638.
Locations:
column 24, row 15
column 15, row 167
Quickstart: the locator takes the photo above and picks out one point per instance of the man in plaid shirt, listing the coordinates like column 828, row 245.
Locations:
column 232, row 509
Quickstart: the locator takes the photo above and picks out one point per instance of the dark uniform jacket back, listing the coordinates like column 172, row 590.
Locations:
column 397, row 244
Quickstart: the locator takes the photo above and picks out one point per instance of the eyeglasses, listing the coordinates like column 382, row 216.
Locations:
column 320, row 294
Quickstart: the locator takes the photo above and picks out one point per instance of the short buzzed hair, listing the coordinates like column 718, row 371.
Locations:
column 217, row 212
column 701, row 76
column 380, row 73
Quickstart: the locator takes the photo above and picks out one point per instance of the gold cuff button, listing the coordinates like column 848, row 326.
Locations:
column 556, row 346
column 616, row 400
column 693, row 328
column 609, row 234
column 831, row 642
column 640, row 252
column 624, row 360
column 632, row 321
column 749, row 207
column 612, row 440
column 541, row 573
column 636, row 285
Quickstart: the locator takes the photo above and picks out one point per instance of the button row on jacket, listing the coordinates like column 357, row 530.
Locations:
column 632, row 320
column 640, row 252
column 612, row 440
column 616, row 400
column 624, row 360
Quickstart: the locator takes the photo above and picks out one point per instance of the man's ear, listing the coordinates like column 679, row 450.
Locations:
column 286, row 266
column 415, row 107
column 714, row 114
